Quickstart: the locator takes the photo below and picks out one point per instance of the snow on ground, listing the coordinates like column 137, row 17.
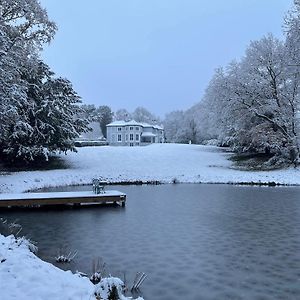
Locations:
column 157, row 162
column 24, row 276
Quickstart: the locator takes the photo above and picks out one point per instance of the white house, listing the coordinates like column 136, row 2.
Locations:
column 132, row 133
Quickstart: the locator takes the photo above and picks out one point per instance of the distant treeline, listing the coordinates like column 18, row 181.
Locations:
column 251, row 105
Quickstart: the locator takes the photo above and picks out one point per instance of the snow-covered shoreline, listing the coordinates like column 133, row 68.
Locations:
column 25, row 276
column 162, row 163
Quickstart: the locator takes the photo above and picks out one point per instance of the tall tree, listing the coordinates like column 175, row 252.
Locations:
column 104, row 116
column 37, row 112
column 122, row 115
column 141, row 114
column 89, row 111
column 254, row 102
column 174, row 127
column 263, row 88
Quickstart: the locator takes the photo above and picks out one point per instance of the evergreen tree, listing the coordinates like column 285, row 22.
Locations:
column 38, row 113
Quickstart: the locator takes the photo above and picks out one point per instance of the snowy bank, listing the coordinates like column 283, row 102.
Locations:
column 157, row 162
column 24, row 276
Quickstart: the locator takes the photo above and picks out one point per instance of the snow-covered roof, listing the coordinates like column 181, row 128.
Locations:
column 124, row 123
column 132, row 123
column 148, row 134
column 149, row 125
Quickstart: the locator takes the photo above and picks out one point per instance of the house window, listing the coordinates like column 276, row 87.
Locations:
column 131, row 137
column 137, row 137
column 130, row 128
column 131, row 144
column 119, row 128
column 119, row 137
column 137, row 128
column 126, row 137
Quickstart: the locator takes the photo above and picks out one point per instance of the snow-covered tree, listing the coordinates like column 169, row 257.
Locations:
column 89, row 111
column 263, row 88
column 104, row 116
column 174, row 127
column 190, row 126
column 292, row 26
column 141, row 114
column 253, row 103
column 32, row 101
column 122, row 115
column 200, row 123
column 26, row 22
column 187, row 126
column 47, row 121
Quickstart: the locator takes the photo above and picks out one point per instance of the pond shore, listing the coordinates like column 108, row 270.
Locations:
column 157, row 163
column 24, row 276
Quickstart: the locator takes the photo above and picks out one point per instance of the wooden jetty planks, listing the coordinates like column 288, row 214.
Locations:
column 61, row 198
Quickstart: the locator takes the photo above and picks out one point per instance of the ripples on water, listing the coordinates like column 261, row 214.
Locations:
column 193, row 241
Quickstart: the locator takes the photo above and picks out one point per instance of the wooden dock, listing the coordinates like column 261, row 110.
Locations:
column 62, row 198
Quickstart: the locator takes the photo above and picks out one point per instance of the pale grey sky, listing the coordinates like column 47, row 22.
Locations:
column 159, row 54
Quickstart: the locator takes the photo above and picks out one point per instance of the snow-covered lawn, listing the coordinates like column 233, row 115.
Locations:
column 158, row 162
column 24, row 276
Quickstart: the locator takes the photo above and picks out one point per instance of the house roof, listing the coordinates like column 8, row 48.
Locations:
column 148, row 134
column 124, row 123
column 149, row 125
column 133, row 123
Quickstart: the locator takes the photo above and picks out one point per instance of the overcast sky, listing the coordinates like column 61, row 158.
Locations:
column 159, row 54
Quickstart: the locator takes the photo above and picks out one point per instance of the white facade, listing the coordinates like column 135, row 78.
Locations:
column 132, row 133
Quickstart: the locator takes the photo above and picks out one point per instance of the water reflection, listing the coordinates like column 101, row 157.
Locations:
column 193, row 241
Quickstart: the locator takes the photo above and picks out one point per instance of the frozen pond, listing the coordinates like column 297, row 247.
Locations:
column 193, row 241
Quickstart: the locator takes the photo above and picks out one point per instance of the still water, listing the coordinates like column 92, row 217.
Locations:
column 193, row 241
